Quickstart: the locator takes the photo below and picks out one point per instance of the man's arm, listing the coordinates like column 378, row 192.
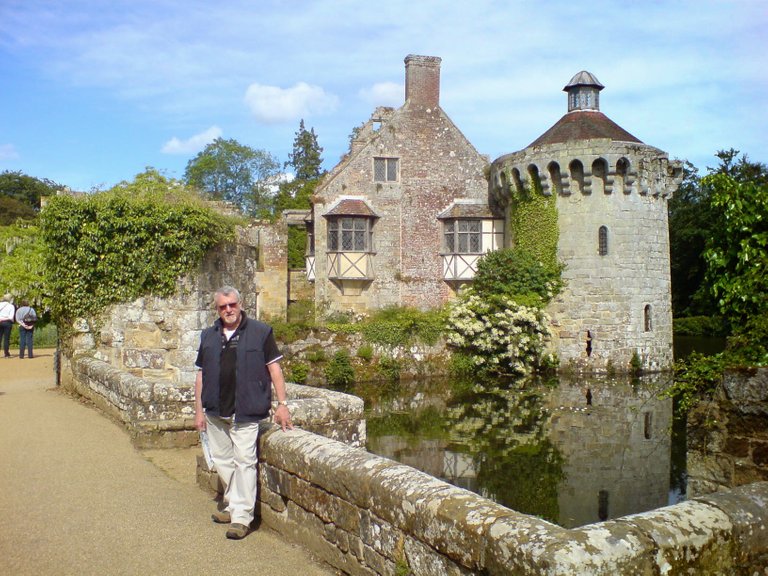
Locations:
column 199, row 413
column 282, row 414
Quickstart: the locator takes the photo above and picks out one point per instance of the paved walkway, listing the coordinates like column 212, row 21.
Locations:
column 77, row 498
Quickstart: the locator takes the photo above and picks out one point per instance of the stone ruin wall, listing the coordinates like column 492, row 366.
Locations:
column 728, row 435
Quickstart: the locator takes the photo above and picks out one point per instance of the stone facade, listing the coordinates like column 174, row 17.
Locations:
column 611, row 197
column 405, row 167
column 156, row 339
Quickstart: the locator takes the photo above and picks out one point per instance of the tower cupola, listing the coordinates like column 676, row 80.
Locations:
column 583, row 92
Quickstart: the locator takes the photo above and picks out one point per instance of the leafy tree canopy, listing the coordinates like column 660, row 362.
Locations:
column 26, row 189
column 12, row 210
column 22, row 263
column 737, row 253
column 230, row 171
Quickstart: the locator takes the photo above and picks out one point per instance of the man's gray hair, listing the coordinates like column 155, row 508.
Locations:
column 226, row 291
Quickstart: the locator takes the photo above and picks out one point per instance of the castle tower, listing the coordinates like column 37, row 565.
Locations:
column 611, row 193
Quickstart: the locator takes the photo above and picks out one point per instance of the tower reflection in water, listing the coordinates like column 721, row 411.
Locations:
column 573, row 452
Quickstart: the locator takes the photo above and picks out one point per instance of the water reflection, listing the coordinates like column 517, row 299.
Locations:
column 573, row 452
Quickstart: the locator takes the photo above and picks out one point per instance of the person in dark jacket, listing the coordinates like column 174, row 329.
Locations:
column 238, row 363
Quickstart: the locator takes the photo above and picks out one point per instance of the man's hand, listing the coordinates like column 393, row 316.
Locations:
column 283, row 417
column 200, row 421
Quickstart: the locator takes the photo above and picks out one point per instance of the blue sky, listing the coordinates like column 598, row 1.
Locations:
column 93, row 91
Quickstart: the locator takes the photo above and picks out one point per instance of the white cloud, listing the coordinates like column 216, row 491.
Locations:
column 8, row 152
column 272, row 104
column 192, row 144
column 384, row 94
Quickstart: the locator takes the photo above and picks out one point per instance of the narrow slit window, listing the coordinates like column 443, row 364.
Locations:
column 647, row 425
column 602, row 241
column 647, row 318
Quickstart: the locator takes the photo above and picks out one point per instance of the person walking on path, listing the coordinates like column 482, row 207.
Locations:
column 26, row 317
column 7, row 315
column 238, row 362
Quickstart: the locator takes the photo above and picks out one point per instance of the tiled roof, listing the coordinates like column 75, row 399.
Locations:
column 584, row 125
column 467, row 210
column 351, row 207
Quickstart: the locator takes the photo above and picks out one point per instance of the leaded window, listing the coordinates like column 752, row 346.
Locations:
column 349, row 234
column 463, row 236
column 385, row 169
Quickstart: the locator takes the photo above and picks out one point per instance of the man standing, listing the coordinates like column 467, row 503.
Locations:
column 7, row 315
column 26, row 317
column 238, row 362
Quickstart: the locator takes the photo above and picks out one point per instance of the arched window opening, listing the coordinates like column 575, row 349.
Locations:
column 577, row 175
column 622, row 172
column 503, row 182
column 599, row 173
column 602, row 241
column 556, row 178
column 533, row 177
column 518, row 181
column 647, row 320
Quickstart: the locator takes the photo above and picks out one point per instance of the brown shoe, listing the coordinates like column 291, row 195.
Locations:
column 221, row 517
column 237, row 531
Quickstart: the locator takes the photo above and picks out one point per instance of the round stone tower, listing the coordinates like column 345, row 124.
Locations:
column 611, row 193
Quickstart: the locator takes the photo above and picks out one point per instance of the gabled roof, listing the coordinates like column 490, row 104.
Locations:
column 351, row 207
column 584, row 125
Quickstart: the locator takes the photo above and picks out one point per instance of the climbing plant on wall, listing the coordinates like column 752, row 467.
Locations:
column 136, row 239
column 533, row 223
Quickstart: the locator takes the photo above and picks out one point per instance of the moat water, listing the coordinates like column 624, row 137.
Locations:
column 573, row 451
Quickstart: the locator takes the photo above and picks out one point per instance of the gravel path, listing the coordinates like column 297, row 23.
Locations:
column 77, row 498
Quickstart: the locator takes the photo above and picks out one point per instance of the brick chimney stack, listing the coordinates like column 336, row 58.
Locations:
column 422, row 80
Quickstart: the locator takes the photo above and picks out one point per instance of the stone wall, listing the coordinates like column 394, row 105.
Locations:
column 367, row 515
column 159, row 413
column 728, row 436
column 156, row 339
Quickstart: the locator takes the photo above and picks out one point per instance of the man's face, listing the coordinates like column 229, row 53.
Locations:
column 229, row 310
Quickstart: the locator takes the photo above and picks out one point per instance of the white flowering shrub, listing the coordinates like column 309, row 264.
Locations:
column 499, row 335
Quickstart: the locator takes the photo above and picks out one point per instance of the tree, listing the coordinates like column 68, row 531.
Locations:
column 305, row 158
column 689, row 228
column 737, row 253
column 228, row 170
column 306, row 161
column 12, row 210
column 25, row 189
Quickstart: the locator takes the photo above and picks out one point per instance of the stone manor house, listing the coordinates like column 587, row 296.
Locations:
column 408, row 211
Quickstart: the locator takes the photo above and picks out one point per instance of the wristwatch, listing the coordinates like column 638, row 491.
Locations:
column 282, row 403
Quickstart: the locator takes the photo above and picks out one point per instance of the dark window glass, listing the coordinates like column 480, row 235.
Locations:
column 463, row 236
column 385, row 169
column 602, row 241
column 349, row 234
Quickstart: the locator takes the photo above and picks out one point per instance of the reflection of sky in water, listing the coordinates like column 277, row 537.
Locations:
column 574, row 453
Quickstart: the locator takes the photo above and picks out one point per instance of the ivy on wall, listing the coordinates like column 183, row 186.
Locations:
column 134, row 240
column 533, row 223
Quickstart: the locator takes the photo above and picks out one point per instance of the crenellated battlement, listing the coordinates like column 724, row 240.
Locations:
column 587, row 168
